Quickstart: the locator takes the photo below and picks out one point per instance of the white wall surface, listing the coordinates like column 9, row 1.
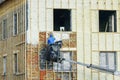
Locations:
column 85, row 21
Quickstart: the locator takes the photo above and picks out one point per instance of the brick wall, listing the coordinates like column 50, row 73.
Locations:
column 32, row 62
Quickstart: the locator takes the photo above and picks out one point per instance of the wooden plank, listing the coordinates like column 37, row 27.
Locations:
column 108, row 5
column 118, row 17
column 65, row 3
column 80, row 56
column 102, row 42
column 80, row 40
column 65, row 43
column 102, row 76
column 73, row 40
column 95, row 58
column 80, row 72
column 95, row 20
column 42, row 37
column 87, row 38
column 94, row 4
column 49, row 3
column 95, row 41
column 95, row 76
column 49, row 20
column 72, row 3
column 87, row 24
column 73, row 20
column 49, row 75
column 118, row 61
column 57, row 3
column 101, row 4
column 79, row 3
column 87, row 52
column 116, row 77
column 42, row 15
column 87, row 74
column 74, row 66
column 87, row 48
column 34, row 20
column 116, row 41
column 118, row 20
column 115, row 4
column 109, row 77
column 80, row 14
column 109, row 42
column 95, row 61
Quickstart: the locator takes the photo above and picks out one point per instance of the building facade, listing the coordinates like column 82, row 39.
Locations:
column 89, row 29
column 12, row 39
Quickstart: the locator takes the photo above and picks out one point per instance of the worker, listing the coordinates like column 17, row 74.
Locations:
column 51, row 39
column 53, row 49
column 50, row 52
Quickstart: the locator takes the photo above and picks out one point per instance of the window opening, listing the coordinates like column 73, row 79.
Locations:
column 0, row 30
column 15, row 63
column 4, row 64
column 107, row 21
column 62, row 20
column 4, row 28
column 15, row 29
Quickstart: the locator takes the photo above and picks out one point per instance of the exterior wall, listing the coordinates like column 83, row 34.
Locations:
column 12, row 44
column 91, row 41
column 40, row 17
column 85, row 21
column 32, row 63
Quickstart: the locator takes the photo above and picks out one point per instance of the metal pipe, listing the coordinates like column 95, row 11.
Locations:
column 91, row 66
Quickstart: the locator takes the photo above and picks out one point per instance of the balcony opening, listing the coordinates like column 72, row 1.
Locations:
column 107, row 21
column 62, row 20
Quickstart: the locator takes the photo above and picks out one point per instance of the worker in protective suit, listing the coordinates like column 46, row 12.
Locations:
column 53, row 49
column 51, row 39
column 50, row 51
